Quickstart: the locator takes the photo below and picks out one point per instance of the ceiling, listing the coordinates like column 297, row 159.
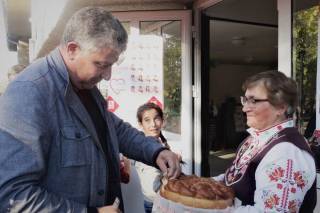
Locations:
column 244, row 32
column 254, row 22
column 261, row 11
column 17, row 13
column 238, row 43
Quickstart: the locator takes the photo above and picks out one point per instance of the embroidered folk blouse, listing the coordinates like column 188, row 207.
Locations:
column 284, row 164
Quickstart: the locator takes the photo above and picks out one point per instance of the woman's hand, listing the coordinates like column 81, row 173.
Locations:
column 219, row 178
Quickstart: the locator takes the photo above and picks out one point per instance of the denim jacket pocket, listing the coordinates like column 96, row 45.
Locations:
column 74, row 146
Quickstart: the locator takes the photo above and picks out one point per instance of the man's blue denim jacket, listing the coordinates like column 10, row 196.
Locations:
column 50, row 157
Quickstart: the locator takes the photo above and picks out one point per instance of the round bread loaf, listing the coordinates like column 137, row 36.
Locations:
column 198, row 192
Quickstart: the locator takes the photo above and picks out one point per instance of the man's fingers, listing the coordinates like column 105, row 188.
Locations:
column 173, row 170
column 169, row 164
column 163, row 167
column 178, row 169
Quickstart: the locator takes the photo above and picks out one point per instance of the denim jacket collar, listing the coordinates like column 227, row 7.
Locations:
column 56, row 61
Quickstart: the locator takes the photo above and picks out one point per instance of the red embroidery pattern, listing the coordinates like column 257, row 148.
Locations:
column 272, row 201
column 287, row 181
column 251, row 148
column 293, row 206
column 277, row 174
column 297, row 176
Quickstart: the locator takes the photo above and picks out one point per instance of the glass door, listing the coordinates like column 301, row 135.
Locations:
column 156, row 67
column 304, row 60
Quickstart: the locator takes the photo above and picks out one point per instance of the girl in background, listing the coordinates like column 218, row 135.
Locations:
column 151, row 120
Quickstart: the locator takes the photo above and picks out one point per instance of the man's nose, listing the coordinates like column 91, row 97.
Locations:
column 106, row 74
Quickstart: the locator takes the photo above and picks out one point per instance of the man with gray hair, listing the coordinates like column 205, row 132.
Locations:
column 59, row 147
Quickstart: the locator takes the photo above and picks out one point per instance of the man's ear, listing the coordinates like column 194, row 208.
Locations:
column 72, row 49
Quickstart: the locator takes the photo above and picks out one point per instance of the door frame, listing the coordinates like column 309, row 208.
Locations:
column 186, row 146
column 284, row 65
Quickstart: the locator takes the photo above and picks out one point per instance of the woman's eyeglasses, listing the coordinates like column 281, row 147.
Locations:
column 244, row 100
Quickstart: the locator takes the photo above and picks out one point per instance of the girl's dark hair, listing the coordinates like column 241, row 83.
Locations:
column 148, row 106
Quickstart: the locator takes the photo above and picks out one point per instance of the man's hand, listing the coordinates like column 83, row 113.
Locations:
column 169, row 164
column 111, row 209
column 108, row 209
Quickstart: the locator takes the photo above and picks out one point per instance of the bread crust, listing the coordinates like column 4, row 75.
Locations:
column 196, row 202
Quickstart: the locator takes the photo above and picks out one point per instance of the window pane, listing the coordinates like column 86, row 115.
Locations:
column 305, row 34
column 171, row 34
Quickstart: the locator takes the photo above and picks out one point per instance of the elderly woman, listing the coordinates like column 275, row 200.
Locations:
column 274, row 170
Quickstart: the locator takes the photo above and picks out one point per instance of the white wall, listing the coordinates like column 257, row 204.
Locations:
column 284, row 37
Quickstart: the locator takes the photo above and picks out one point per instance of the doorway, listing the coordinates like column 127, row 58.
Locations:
column 156, row 67
column 239, row 39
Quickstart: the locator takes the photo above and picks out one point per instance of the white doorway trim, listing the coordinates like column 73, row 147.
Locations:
column 284, row 37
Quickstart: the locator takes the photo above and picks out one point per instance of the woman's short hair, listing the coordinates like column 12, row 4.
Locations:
column 95, row 28
column 281, row 90
column 148, row 106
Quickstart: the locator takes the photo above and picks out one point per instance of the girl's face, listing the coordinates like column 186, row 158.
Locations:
column 151, row 123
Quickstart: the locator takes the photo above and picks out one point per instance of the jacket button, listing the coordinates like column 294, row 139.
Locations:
column 101, row 192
